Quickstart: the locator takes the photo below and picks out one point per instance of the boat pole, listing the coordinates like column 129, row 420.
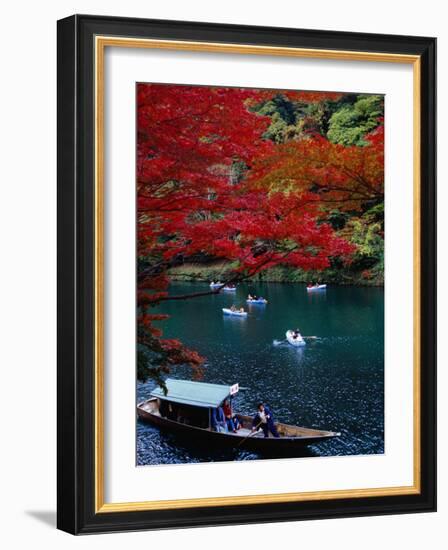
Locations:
column 251, row 434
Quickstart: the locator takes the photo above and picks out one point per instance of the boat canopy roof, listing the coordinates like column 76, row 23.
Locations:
column 197, row 394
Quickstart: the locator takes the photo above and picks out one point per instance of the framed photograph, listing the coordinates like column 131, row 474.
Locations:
column 246, row 271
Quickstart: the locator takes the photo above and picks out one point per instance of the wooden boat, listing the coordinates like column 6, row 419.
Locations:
column 316, row 287
column 186, row 411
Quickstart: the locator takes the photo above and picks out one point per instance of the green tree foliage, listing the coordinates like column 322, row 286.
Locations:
column 349, row 124
column 367, row 233
column 285, row 115
column 345, row 120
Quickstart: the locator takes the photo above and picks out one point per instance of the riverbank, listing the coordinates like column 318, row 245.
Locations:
column 280, row 274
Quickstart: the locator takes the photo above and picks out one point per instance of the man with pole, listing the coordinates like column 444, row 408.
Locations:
column 263, row 419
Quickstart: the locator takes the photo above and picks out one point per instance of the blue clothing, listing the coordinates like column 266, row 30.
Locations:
column 230, row 424
column 257, row 418
column 268, row 426
column 218, row 419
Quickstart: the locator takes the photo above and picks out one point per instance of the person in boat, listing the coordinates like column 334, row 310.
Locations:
column 166, row 410
column 250, row 297
column 171, row 413
column 232, row 307
column 237, row 422
column 219, row 423
column 241, row 310
column 228, row 413
column 296, row 333
column 233, row 423
column 264, row 419
column 163, row 409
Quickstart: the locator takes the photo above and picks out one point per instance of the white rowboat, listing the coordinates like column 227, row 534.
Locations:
column 295, row 340
column 261, row 301
column 315, row 287
column 228, row 311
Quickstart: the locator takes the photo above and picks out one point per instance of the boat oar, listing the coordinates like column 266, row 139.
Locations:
column 251, row 433
column 286, row 341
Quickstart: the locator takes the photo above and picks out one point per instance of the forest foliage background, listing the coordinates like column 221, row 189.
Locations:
column 236, row 184
column 346, row 120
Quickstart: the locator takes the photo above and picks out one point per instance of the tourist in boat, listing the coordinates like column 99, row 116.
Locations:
column 250, row 297
column 264, row 420
column 296, row 333
column 236, row 422
column 167, row 411
column 233, row 423
column 171, row 413
column 219, row 423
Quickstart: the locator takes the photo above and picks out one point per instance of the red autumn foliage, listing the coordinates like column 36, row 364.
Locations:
column 338, row 175
column 299, row 96
column 189, row 139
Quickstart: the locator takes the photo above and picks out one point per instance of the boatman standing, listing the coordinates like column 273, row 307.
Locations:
column 264, row 420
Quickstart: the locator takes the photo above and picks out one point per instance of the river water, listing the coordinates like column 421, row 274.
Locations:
column 336, row 382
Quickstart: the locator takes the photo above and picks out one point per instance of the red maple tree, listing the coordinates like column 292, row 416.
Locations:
column 202, row 166
column 340, row 176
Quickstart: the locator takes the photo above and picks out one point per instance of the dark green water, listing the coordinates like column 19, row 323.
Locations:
column 335, row 382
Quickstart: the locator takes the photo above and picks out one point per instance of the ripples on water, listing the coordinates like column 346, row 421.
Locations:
column 335, row 382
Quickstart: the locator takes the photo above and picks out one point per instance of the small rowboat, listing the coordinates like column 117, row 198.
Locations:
column 185, row 410
column 230, row 288
column 315, row 287
column 295, row 340
column 261, row 301
column 228, row 311
column 215, row 285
